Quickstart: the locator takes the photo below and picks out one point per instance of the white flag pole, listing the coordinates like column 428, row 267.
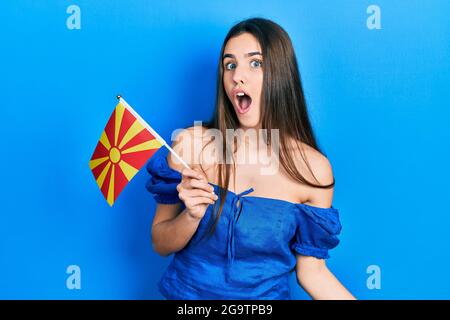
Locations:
column 157, row 136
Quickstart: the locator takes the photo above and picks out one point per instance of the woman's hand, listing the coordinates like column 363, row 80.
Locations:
column 195, row 192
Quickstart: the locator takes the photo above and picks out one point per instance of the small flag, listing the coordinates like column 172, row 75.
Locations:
column 125, row 145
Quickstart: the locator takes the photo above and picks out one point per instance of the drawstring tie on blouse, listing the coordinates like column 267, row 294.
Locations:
column 236, row 207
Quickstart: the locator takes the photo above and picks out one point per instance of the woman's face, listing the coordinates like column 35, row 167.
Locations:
column 243, row 78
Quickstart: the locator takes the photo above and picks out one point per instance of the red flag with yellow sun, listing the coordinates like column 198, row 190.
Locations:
column 125, row 145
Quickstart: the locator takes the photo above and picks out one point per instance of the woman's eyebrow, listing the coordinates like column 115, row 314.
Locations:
column 229, row 55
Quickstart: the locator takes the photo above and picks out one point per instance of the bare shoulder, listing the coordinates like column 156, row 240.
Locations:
column 188, row 144
column 320, row 165
column 316, row 168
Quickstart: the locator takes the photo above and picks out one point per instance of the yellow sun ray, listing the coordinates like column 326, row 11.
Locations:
column 135, row 128
column 111, row 188
column 127, row 169
column 102, row 176
column 147, row 145
column 104, row 140
column 119, row 115
column 96, row 162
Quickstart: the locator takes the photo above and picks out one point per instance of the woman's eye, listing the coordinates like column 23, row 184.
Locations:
column 230, row 66
column 256, row 63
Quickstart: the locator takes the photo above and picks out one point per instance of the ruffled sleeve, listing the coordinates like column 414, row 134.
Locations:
column 163, row 181
column 316, row 231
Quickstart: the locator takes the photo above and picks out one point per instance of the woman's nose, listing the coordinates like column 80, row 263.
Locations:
column 239, row 75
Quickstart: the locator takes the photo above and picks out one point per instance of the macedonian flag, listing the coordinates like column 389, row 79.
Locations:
column 125, row 145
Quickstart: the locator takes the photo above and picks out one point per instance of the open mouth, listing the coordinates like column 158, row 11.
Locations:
column 244, row 102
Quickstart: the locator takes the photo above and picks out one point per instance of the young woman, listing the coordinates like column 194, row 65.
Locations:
column 242, row 242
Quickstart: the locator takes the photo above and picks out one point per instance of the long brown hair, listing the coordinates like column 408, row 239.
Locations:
column 282, row 103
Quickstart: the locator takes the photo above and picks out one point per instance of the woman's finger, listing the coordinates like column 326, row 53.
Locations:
column 194, row 184
column 200, row 184
column 192, row 193
column 195, row 201
column 189, row 173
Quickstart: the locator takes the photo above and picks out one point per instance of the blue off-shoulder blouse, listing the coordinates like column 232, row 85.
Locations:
column 253, row 249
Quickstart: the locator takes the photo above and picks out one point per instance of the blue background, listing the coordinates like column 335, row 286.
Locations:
column 378, row 101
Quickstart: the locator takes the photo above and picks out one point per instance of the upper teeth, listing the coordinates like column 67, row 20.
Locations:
column 240, row 94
